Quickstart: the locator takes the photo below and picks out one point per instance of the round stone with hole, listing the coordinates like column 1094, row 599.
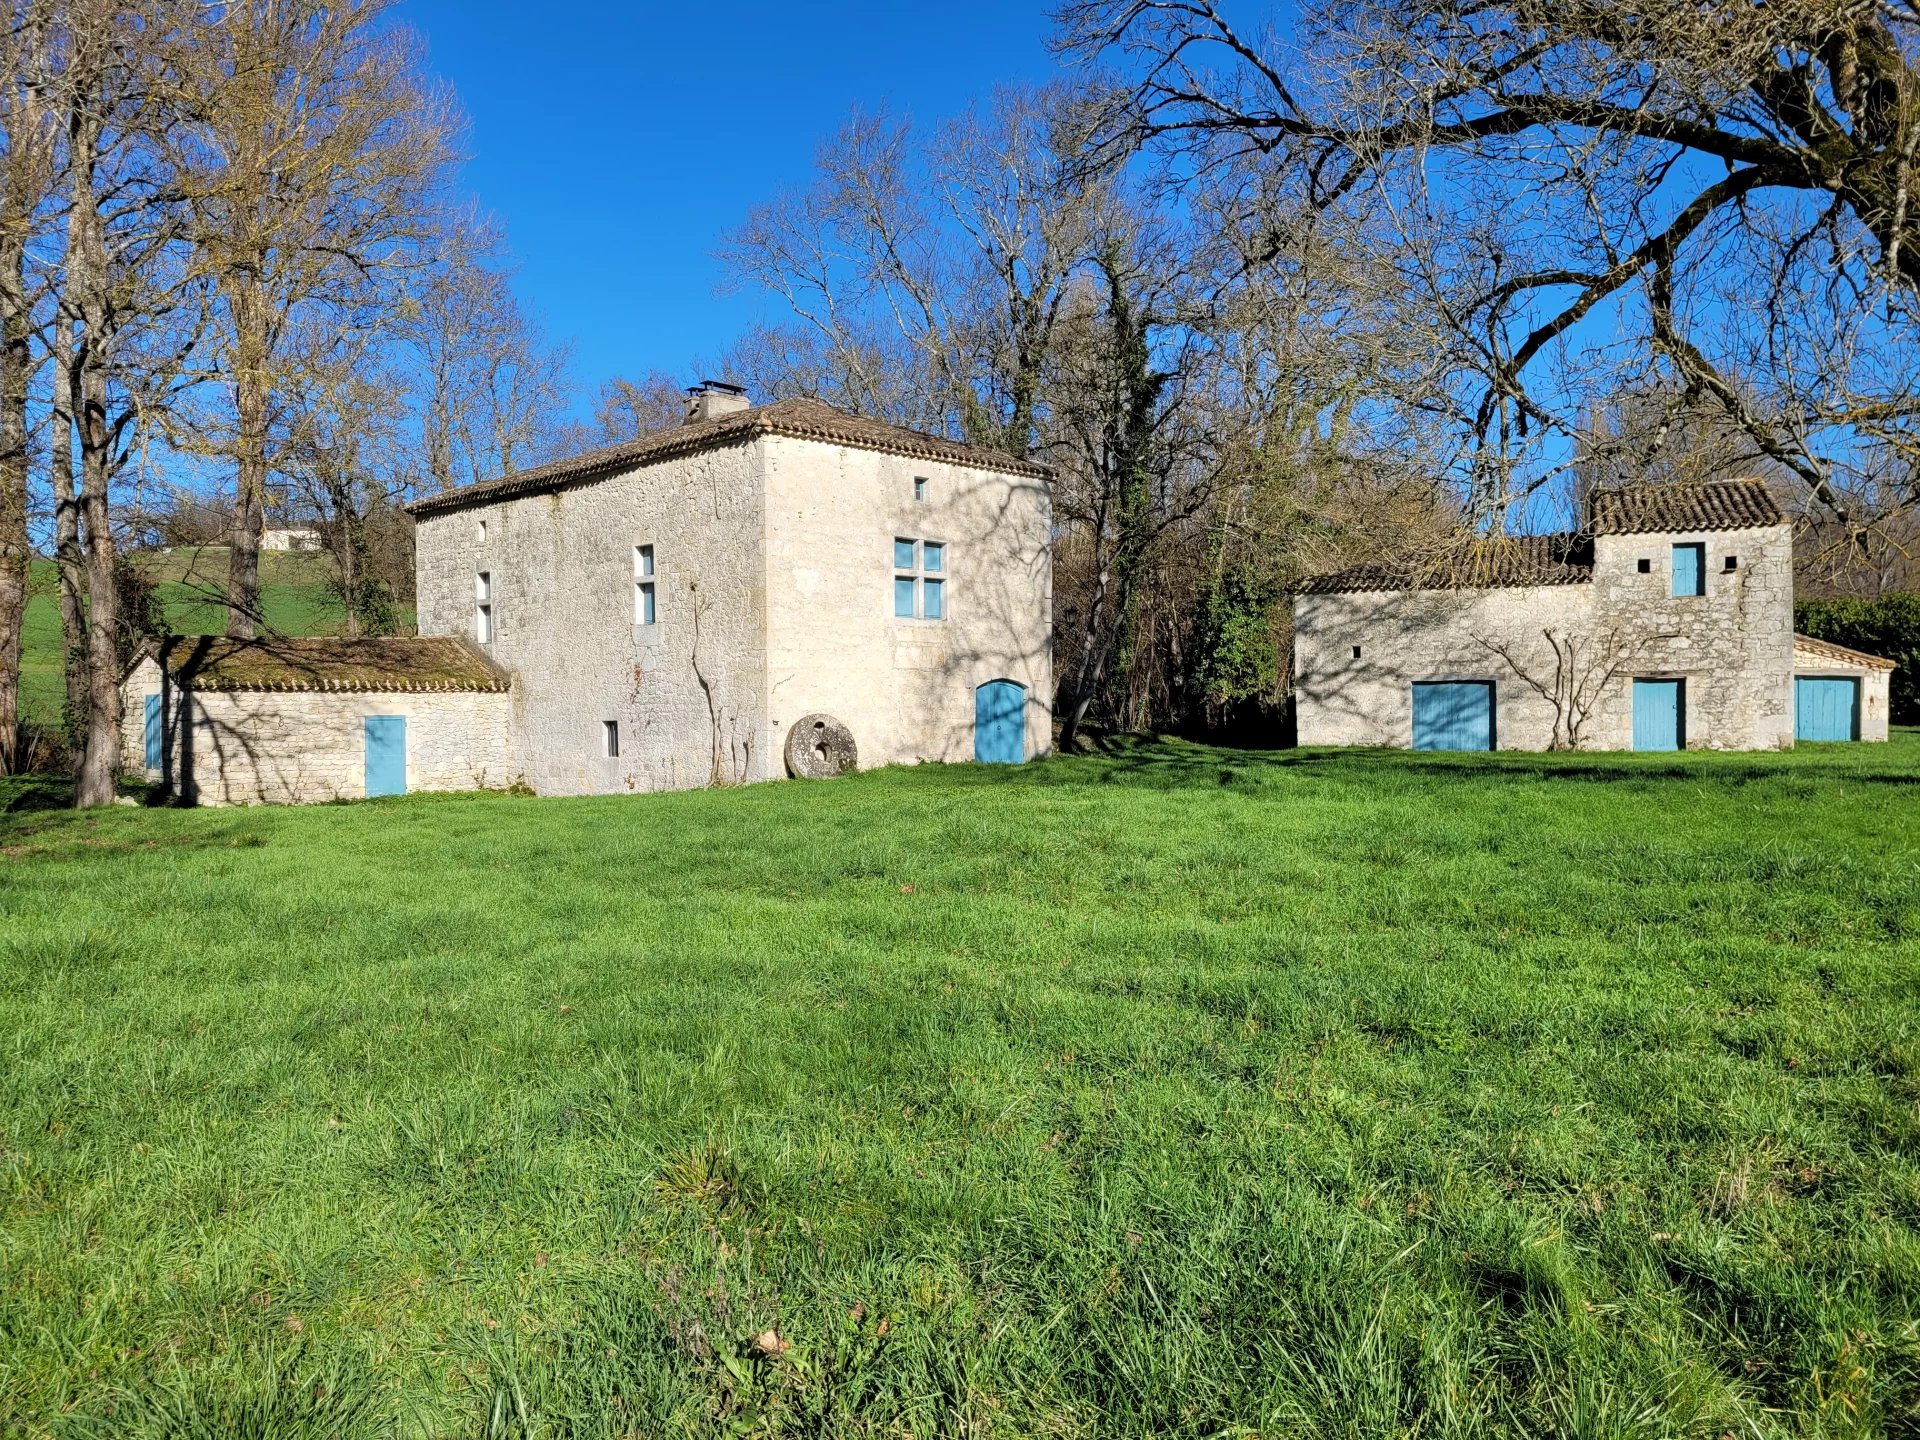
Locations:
column 820, row 747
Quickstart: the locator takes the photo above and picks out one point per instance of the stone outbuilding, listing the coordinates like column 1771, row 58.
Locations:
column 1664, row 623
column 220, row 722
column 1839, row 694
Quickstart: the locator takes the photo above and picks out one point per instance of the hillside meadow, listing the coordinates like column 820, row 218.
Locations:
column 1164, row 1092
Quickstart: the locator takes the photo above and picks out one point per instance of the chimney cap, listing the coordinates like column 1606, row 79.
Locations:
column 722, row 387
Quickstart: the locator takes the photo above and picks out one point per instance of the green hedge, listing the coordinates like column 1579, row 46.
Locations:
column 1889, row 626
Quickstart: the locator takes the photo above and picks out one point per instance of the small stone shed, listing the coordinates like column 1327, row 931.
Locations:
column 1839, row 694
column 235, row 722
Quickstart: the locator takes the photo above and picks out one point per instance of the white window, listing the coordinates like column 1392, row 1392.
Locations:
column 919, row 579
column 480, row 532
column 919, row 487
column 643, row 611
column 610, row 738
column 483, row 607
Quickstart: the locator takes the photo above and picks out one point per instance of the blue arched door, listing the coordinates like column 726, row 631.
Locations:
column 1000, row 723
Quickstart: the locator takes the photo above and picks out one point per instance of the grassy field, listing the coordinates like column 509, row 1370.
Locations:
column 294, row 592
column 1167, row 1092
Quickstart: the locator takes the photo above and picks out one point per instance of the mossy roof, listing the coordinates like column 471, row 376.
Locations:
column 379, row 664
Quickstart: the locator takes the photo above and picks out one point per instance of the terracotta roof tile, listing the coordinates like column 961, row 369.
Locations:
column 1717, row 505
column 1484, row 563
column 802, row 419
column 383, row 664
column 1827, row 650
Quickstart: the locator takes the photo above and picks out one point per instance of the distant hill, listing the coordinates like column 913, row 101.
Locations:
column 294, row 590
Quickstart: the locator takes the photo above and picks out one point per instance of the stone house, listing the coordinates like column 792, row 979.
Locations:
column 758, row 591
column 225, row 722
column 1666, row 622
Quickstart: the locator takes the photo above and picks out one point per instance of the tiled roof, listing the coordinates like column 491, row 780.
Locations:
column 801, row 419
column 1827, row 650
column 384, row 664
column 1715, row 505
column 1483, row 563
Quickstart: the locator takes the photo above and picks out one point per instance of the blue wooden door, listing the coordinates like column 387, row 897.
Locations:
column 1453, row 715
column 1826, row 707
column 155, row 733
column 1000, row 723
column 386, row 754
column 1657, row 715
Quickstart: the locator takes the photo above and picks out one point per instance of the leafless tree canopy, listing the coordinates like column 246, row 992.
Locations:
column 1715, row 200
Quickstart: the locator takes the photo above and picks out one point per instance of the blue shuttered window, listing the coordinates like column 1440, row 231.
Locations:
column 1689, row 569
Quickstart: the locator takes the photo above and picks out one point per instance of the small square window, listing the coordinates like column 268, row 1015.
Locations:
column 610, row 738
column 933, row 599
column 1733, row 562
column 903, row 554
column 903, row 596
column 919, row 487
column 1646, row 566
column 643, row 603
column 1356, row 652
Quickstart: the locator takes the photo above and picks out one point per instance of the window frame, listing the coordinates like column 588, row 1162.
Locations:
column 483, row 620
column 610, row 739
column 646, row 570
column 926, row 588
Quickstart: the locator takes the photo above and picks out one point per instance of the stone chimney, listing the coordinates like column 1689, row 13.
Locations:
column 711, row 399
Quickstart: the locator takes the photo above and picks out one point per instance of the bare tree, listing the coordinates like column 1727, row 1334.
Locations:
column 315, row 149
column 1574, row 675
column 1716, row 198
column 629, row 409
column 27, row 136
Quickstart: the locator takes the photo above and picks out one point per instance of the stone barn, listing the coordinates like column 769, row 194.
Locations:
column 1664, row 623
column 223, row 722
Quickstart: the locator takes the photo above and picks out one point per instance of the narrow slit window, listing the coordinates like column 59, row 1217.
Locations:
column 1356, row 652
column 919, row 487
column 610, row 738
column 480, row 531
column 483, row 607
column 643, row 582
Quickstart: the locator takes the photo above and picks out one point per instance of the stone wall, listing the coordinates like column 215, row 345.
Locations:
column 1732, row 647
column 905, row 687
column 774, row 599
column 688, row 691
column 290, row 747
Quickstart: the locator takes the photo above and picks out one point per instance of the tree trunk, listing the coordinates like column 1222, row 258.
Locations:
column 16, row 363
column 251, row 397
column 69, row 560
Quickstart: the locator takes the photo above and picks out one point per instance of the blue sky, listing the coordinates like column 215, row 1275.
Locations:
column 618, row 142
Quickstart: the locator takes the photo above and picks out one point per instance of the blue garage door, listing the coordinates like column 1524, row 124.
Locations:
column 1000, row 723
column 386, row 754
column 1657, row 714
column 1826, row 707
column 1453, row 715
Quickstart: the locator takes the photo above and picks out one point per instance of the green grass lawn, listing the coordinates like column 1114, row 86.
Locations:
column 295, row 598
column 1168, row 1092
